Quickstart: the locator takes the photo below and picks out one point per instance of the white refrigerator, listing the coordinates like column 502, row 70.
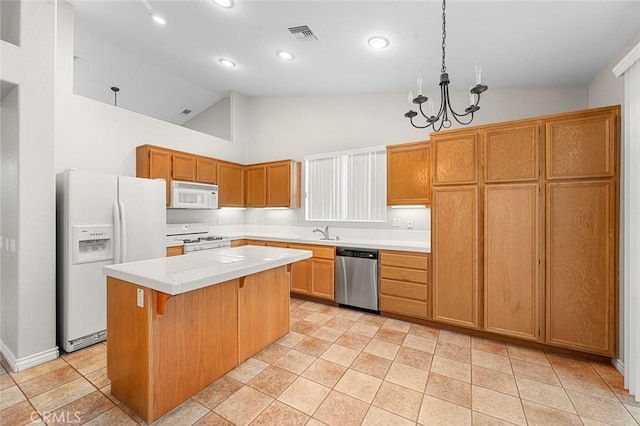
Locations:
column 101, row 220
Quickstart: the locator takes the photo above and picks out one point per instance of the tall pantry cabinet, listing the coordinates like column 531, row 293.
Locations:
column 524, row 229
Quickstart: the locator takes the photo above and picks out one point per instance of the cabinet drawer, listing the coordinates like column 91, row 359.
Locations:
column 319, row 252
column 404, row 260
column 401, row 274
column 403, row 306
column 403, row 289
column 174, row 251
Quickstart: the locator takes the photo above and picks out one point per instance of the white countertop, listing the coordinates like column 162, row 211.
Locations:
column 179, row 274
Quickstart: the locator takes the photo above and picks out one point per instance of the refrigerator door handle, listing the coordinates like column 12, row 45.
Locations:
column 123, row 226
column 117, row 238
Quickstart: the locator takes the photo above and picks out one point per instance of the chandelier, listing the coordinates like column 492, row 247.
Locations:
column 446, row 111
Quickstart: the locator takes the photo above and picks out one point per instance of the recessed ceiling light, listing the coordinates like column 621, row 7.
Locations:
column 378, row 42
column 227, row 4
column 158, row 19
column 227, row 62
column 283, row 54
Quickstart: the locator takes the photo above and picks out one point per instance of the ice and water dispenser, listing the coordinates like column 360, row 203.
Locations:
column 92, row 243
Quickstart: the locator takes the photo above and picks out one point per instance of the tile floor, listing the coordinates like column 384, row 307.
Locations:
column 343, row 367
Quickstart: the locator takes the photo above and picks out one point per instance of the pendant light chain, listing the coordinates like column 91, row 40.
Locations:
column 444, row 36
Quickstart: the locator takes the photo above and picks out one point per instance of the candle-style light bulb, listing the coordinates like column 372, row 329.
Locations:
column 420, row 84
column 410, row 97
column 472, row 99
column 478, row 73
column 430, row 102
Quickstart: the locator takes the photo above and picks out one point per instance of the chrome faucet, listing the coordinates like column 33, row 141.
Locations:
column 325, row 233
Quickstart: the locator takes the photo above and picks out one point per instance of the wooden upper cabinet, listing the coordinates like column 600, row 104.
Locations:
column 255, row 192
column 455, row 158
column 283, row 184
column 230, row 184
column 512, row 153
column 184, row 167
column 153, row 163
column 409, row 174
column 206, row 170
column 583, row 145
column 580, row 267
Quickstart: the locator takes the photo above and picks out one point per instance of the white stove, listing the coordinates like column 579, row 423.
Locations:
column 196, row 237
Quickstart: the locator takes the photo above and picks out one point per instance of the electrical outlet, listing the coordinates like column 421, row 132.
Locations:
column 12, row 245
column 410, row 223
column 396, row 221
column 140, row 301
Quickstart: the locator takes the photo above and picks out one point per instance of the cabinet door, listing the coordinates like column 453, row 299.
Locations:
column 174, row 251
column 511, row 153
column 580, row 265
column 581, row 146
column 409, row 174
column 455, row 158
column 511, row 269
column 184, row 167
column 301, row 277
column 256, row 186
column 206, row 170
column 323, row 278
column 279, row 182
column 454, row 233
column 160, row 168
column 230, row 185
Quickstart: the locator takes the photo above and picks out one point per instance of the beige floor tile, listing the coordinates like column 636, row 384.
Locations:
column 353, row 341
column 358, row 385
column 382, row 349
column 409, row 377
column 313, row 346
column 38, row 370
column 339, row 409
column 451, row 368
column 390, row 336
column 113, row 416
column 487, row 345
column 568, row 362
column 414, row 358
column 399, row 400
column 597, row 408
column 434, row 411
column 213, row 419
column 280, row 414
column 243, row 406
column 82, row 409
column 379, row 417
column 304, row 395
column 18, row 414
column 329, row 310
column 491, row 361
column 340, row 323
column 88, row 364
column 363, row 329
column 584, row 379
column 397, row 325
column 305, row 327
column 299, row 313
column 496, row 404
column 247, row 370
column 5, row 380
column 494, row 380
column 98, row 378
column 291, row 339
column 311, row 306
column 128, row 411
column 372, row 319
column 340, row 355
column 479, row 419
column 349, row 314
column 318, row 318
column 590, row 422
column 272, row 353
column 455, row 338
column 635, row 411
column 73, row 357
column 329, row 334
column 544, row 394
column 457, row 352
column 449, row 389
column 217, row 392
column 543, row 415
column 50, row 380
column 420, row 343
column 372, row 365
column 272, row 381
column 424, row 331
column 324, row 372
column 62, row 395
column 295, row 361
column 533, row 371
column 527, row 354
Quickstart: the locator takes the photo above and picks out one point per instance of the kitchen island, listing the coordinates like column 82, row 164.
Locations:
column 177, row 324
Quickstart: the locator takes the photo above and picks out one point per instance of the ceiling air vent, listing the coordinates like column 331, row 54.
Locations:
column 302, row 33
column 185, row 112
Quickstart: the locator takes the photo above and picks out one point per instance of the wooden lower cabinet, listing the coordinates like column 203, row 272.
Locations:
column 404, row 283
column 316, row 276
column 175, row 251
column 255, row 243
column 237, row 243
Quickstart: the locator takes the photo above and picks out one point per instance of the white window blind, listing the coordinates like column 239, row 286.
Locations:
column 346, row 186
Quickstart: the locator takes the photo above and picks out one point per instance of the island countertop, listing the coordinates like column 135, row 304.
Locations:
column 180, row 274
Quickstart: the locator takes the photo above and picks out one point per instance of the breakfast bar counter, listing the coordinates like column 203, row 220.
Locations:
column 175, row 325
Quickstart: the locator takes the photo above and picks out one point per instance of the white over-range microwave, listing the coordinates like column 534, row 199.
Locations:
column 191, row 195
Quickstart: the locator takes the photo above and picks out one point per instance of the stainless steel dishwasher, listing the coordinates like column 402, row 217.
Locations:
column 357, row 278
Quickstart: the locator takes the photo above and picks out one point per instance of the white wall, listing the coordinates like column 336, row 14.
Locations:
column 215, row 120
column 10, row 21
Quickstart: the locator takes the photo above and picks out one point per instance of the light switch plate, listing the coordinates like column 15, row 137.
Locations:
column 396, row 221
column 140, row 298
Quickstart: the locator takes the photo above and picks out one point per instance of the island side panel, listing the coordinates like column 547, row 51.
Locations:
column 263, row 310
column 128, row 345
column 194, row 343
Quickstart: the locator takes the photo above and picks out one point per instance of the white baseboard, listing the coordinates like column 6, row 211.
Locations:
column 20, row 364
column 618, row 364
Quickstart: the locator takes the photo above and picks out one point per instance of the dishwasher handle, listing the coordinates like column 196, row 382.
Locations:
column 357, row 252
